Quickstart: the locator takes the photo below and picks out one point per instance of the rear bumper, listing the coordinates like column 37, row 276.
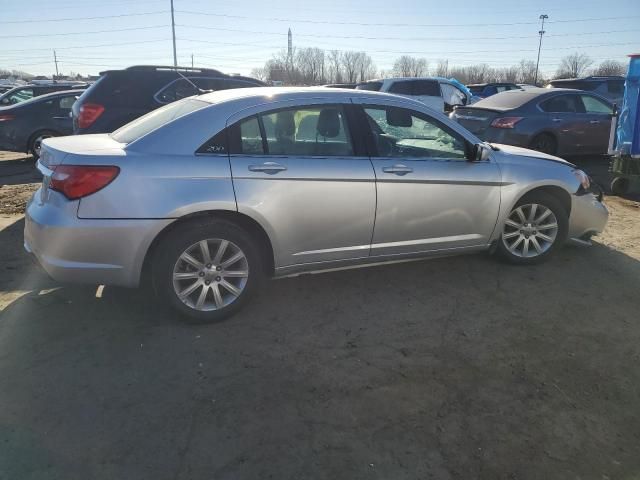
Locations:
column 588, row 217
column 109, row 252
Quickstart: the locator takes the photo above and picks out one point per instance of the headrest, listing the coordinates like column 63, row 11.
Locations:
column 329, row 123
column 285, row 124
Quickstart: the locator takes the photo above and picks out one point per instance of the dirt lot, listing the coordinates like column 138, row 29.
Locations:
column 454, row 368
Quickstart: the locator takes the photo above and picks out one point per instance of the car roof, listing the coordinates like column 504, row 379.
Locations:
column 290, row 93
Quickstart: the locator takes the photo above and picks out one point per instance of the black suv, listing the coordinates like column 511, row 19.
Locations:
column 120, row 96
column 611, row 87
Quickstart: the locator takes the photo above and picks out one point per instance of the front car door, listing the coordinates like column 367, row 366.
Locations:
column 298, row 171
column 597, row 118
column 430, row 197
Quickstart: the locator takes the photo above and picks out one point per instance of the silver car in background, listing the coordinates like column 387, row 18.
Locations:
column 207, row 196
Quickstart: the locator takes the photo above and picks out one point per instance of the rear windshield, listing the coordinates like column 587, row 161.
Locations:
column 147, row 123
column 506, row 100
column 575, row 84
column 476, row 90
column 373, row 86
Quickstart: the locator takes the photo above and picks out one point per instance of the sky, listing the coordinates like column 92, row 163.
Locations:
column 235, row 36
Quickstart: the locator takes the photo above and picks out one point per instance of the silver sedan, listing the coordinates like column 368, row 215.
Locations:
column 208, row 196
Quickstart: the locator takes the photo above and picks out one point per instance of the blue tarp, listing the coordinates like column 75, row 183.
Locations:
column 628, row 131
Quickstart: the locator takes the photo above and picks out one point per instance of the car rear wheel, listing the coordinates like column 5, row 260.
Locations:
column 207, row 271
column 545, row 143
column 533, row 230
column 35, row 143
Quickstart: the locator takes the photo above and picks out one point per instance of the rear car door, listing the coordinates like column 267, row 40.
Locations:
column 598, row 115
column 565, row 118
column 298, row 171
column 429, row 197
column 61, row 114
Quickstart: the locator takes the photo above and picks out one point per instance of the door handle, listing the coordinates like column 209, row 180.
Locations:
column 61, row 118
column 398, row 169
column 267, row 167
column 594, row 122
column 556, row 119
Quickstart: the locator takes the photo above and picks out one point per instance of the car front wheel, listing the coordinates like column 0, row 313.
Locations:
column 536, row 226
column 207, row 271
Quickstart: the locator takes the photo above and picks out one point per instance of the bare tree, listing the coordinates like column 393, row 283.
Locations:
column 309, row 62
column 610, row 67
column 574, row 65
column 366, row 67
column 526, row 71
column 442, row 68
column 408, row 66
column 350, row 65
column 335, row 66
column 260, row 73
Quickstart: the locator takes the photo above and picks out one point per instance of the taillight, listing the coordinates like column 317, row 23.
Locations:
column 505, row 122
column 89, row 113
column 77, row 181
column 6, row 118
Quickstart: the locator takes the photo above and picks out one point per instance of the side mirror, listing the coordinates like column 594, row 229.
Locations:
column 399, row 117
column 479, row 153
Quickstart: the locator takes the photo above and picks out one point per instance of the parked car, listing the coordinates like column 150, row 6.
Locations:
column 441, row 94
column 554, row 121
column 484, row 90
column 27, row 92
column 23, row 126
column 610, row 87
column 120, row 96
column 208, row 195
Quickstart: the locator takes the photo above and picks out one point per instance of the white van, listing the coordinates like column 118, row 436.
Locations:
column 438, row 93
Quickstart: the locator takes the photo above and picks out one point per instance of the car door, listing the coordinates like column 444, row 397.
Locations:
column 598, row 123
column 564, row 118
column 299, row 173
column 61, row 119
column 429, row 197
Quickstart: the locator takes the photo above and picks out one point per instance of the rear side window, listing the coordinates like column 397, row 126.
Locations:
column 616, row 86
column 67, row 102
column 430, row 88
column 371, row 86
column 562, row 104
column 402, row 88
column 177, row 90
column 155, row 119
column 303, row 131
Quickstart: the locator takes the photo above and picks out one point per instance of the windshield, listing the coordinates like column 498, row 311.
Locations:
column 155, row 119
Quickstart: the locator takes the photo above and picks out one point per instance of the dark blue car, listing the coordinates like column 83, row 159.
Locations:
column 24, row 125
column 484, row 90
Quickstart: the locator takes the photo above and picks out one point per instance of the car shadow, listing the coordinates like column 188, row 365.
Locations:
column 19, row 171
column 452, row 366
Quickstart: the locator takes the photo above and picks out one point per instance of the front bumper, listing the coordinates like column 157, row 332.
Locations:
column 108, row 252
column 588, row 217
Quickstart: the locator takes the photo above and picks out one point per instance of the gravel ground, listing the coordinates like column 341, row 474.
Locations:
column 453, row 368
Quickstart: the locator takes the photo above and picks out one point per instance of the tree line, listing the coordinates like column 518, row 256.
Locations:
column 315, row 66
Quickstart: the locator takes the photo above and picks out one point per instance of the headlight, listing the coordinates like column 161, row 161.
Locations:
column 583, row 178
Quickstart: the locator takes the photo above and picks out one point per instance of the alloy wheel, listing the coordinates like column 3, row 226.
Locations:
column 530, row 230
column 210, row 274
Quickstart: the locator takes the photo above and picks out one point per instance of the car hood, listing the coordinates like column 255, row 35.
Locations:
column 526, row 152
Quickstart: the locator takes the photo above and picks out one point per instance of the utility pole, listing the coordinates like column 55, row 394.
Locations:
column 55, row 60
column 173, row 31
column 541, row 32
column 192, row 60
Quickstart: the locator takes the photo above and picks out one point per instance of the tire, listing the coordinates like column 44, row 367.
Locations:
column 225, row 294
column 534, row 239
column 36, row 140
column 545, row 143
column 620, row 186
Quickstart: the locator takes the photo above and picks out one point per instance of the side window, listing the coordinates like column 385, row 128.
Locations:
column 616, row 86
column 307, row 131
column 250, row 137
column 402, row 88
column 176, row 90
column 67, row 102
column 594, row 105
column 218, row 144
column 502, row 88
column 562, row 104
column 399, row 132
column 426, row 87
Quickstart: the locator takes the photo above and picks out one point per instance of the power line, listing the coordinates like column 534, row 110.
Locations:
column 41, row 20
column 83, row 33
column 371, row 24
column 95, row 46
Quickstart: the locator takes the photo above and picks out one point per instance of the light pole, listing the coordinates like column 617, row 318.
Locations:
column 173, row 31
column 541, row 32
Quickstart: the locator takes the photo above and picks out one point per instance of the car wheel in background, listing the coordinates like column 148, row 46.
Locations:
column 620, row 186
column 35, row 142
column 207, row 270
column 545, row 143
column 536, row 226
